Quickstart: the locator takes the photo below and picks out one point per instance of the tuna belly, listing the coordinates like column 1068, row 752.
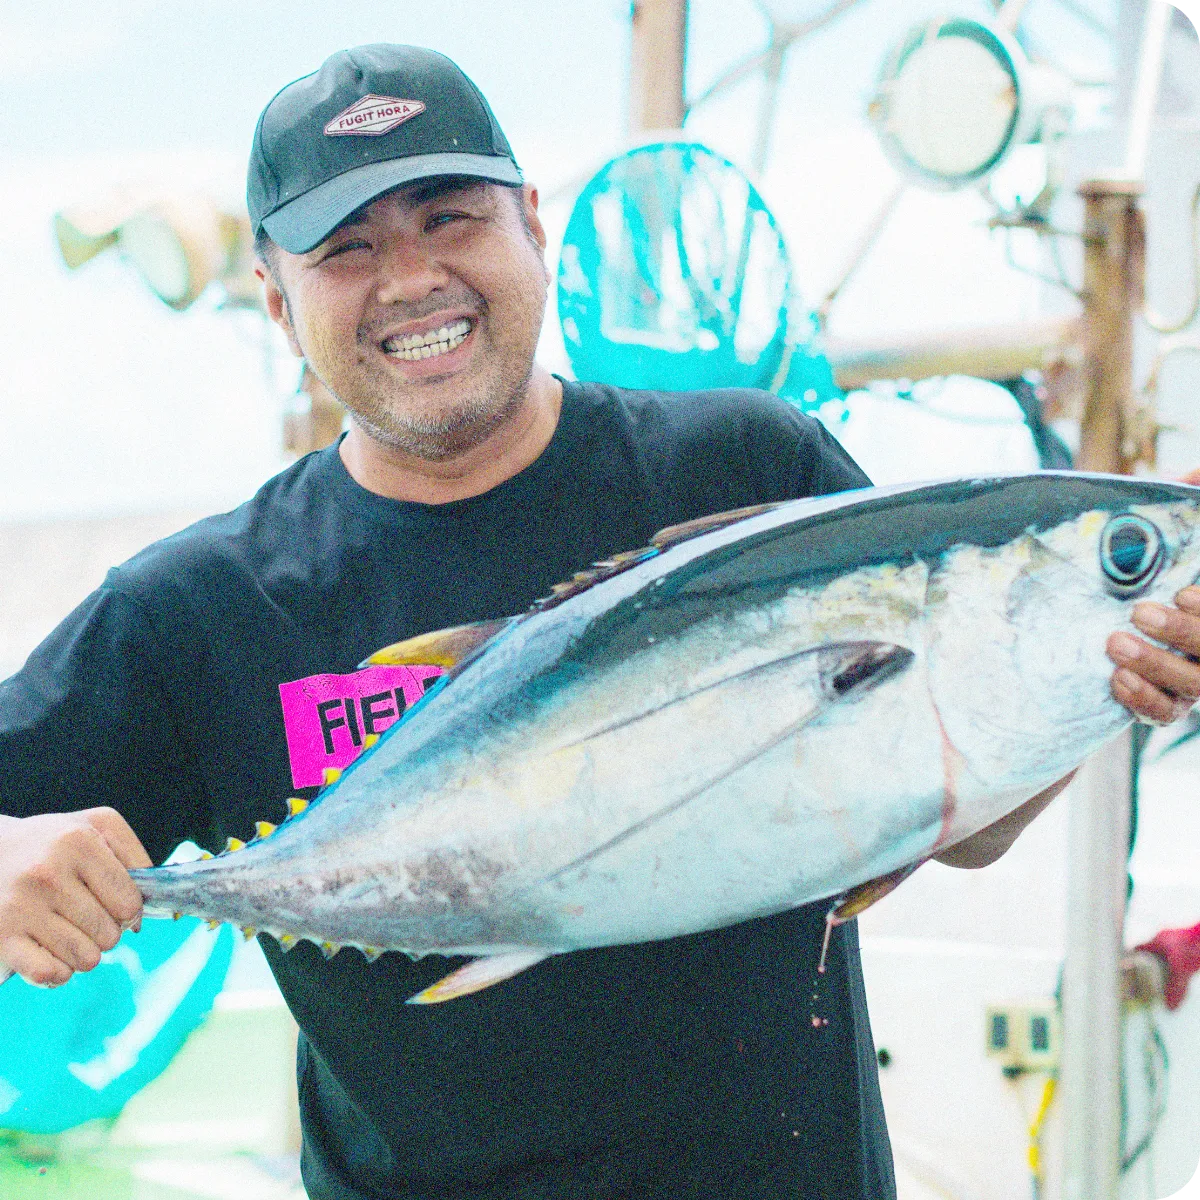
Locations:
column 850, row 794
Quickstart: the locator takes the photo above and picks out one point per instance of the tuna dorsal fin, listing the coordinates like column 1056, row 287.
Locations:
column 442, row 648
column 664, row 539
column 478, row 974
column 596, row 573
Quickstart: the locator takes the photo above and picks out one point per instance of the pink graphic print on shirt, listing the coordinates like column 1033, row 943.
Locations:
column 326, row 717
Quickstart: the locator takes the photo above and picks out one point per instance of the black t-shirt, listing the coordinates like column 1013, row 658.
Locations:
column 681, row 1069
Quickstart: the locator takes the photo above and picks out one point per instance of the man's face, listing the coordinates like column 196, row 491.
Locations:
column 421, row 312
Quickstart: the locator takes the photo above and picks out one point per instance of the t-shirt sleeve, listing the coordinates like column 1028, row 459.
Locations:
column 88, row 721
column 795, row 456
column 824, row 466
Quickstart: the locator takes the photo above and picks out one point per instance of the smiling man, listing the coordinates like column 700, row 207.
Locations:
column 421, row 313
column 214, row 675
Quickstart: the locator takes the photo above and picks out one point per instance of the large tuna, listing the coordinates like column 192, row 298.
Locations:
column 760, row 710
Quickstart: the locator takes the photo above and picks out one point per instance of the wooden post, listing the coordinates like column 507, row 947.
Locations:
column 1116, row 434
column 656, row 97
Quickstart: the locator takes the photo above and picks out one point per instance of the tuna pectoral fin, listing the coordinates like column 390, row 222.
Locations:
column 478, row 974
column 442, row 648
column 859, row 899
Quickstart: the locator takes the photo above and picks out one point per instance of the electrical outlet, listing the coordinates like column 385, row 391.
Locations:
column 1025, row 1037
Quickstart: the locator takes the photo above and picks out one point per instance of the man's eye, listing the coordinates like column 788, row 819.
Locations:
column 443, row 218
column 343, row 247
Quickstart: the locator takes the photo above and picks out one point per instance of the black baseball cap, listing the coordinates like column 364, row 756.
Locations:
column 369, row 120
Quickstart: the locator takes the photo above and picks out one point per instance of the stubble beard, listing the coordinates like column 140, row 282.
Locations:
column 439, row 435
column 436, row 437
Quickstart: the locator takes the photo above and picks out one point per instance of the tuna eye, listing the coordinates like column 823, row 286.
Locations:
column 1131, row 553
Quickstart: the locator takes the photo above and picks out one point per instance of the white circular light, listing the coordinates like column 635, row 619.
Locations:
column 950, row 102
column 953, row 105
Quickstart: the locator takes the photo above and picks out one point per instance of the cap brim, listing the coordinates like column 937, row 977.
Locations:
column 308, row 220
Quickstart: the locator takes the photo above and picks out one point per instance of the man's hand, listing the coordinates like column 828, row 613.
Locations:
column 1159, row 685
column 65, row 892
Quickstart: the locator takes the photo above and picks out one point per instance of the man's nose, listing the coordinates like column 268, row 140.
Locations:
column 408, row 272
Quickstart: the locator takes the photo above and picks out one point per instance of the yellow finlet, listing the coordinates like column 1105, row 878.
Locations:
column 213, row 924
column 478, row 974
column 370, row 740
column 248, row 932
column 330, row 775
column 264, row 828
column 286, row 941
column 296, row 806
column 205, row 856
column 329, row 949
column 370, row 953
column 442, row 648
column 232, row 844
column 175, row 916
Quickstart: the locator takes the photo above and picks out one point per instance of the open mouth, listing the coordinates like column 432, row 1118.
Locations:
column 429, row 345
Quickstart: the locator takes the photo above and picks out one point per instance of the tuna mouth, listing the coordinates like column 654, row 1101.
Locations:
column 416, row 346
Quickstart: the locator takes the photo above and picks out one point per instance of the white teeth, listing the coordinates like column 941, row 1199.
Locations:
column 429, row 345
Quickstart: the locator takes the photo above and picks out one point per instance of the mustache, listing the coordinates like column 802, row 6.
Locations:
column 465, row 298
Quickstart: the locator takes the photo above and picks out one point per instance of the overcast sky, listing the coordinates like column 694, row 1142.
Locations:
column 116, row 404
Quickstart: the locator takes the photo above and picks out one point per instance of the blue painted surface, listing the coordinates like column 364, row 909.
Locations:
column 80, row 1051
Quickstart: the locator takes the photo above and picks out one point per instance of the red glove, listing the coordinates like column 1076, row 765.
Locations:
column 1180, row 951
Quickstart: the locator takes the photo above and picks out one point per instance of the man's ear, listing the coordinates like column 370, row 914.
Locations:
column 277, row 306
column 529, row 199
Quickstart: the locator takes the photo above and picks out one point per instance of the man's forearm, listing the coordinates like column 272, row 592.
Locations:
column 984, row 847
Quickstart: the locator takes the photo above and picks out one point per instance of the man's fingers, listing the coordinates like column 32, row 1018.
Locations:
column 1176, row 626
column 1166, row 670
column 64, row 940
column 34, row 963
column 1145, row 700
column 1158, row 684
column 107, row 880
column 120, row 838
column 91, row 912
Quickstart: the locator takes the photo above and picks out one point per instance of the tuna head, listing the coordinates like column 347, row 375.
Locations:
column 1017, row 631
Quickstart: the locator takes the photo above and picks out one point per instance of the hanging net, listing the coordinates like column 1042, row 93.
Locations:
column 674, row 275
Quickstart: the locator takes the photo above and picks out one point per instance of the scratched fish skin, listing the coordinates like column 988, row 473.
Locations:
column 757, row 717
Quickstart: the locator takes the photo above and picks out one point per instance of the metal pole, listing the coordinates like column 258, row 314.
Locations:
column 772, row 75
column 989, row 352
column 1098, row 850
column 656, row 99
column 1148, row 80
column 1116, row 436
